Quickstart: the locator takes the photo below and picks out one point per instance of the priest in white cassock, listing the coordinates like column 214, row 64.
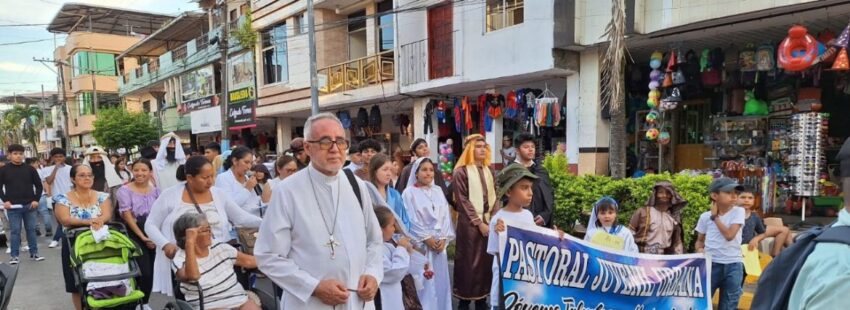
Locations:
column 316, row 242
column 168, row 158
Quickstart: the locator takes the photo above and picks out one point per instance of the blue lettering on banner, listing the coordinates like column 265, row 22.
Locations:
column 540, row 271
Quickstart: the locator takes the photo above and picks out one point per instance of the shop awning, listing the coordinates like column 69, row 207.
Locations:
column 185, row 27
column 765, row 26
column 102, row 19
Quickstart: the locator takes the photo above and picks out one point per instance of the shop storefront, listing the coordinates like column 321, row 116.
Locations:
column 763, row 100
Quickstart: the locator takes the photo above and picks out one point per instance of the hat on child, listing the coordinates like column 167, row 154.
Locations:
column 724, row 185
column 510, row 175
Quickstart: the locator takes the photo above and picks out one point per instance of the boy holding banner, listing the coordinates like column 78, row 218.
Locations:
column 720, row 238
column 516, row 183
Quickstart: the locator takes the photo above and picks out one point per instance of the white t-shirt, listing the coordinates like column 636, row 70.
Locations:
column 717, row 247
column 523, row 216
column 509, row 155
column 61, row 183
column 218, row 281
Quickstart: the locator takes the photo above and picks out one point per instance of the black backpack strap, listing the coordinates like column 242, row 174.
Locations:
column 838, row 234
column 354, row 185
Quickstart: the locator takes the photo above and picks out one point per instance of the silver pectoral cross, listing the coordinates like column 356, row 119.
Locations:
column 332, row 244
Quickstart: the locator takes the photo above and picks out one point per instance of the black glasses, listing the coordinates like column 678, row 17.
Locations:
column 326, row 143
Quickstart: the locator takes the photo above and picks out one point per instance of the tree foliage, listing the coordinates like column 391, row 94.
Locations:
column 117, row 128
column 21, row 122
column 575, row 195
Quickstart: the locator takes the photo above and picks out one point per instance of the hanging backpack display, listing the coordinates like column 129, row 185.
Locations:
column 765, row 58
column 375, row 120
column 344, row 118
column 511, row 106
column 712, row 76
column 747, row 59
column 362, row 122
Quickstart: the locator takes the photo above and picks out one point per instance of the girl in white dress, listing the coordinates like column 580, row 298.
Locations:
column 431, row 224
column 603, row 219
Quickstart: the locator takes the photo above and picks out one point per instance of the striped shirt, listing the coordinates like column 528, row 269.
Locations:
column 218, row 281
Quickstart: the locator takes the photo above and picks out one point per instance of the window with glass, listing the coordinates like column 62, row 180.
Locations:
column 86, row 106
column 504, row 13
column 301, row 24
column 94, row 63
column 385, row 26
column 275, row 64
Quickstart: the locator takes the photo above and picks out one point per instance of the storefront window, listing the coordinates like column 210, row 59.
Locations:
column 385, row 26
column 275, row 64
column 504, row 13
column 94, row 63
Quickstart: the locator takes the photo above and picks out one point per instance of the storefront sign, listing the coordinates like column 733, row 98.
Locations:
column 242, row 109
column 197, row 84
column 240, row 71
column 198, row 104
column 540, row 271
column 206, row 120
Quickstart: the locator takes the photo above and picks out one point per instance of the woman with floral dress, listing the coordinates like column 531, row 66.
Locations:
column 81, row 207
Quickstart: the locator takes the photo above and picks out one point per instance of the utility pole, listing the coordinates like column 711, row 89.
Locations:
column 314, row 79
column 224, row 99
column 62, row 99
column 93, row 72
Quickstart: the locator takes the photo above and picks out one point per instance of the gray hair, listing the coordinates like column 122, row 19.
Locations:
column 184, row 222
column 308, row 125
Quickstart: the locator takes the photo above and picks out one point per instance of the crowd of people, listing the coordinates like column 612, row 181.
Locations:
column 339, row 225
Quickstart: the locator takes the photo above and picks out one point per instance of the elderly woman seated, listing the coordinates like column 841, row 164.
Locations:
column 209, row 265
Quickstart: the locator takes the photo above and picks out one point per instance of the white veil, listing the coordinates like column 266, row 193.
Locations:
column 160, row 161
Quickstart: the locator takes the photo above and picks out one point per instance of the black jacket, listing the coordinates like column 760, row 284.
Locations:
column 20, row 184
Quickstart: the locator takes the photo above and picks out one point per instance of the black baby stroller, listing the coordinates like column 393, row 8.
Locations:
column 105, row 272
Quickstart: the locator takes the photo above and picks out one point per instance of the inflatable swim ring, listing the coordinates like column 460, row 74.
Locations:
column 798, row 51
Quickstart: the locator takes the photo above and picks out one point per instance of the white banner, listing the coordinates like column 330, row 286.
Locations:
column 206, row 120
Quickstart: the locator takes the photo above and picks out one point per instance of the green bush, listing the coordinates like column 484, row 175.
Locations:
column 575, row 195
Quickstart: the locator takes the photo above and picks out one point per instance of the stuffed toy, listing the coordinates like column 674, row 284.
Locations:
column 754, row 106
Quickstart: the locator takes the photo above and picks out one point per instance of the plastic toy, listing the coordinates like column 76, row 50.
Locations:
column 652, row 134
column 798, row 51
column 754, row 106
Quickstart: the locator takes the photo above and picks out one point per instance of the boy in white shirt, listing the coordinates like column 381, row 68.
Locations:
column 515, row 182
column 720, row 238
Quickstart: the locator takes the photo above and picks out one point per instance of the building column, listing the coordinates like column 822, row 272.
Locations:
column 284, row 133
column 573, row 120
column 419, row 126
column 494, row 139
column 372, row 44
column 593, row 132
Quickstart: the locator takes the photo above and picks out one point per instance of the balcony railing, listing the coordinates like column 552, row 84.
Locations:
column 180, row 53
column 358, row 73
column 418, row 65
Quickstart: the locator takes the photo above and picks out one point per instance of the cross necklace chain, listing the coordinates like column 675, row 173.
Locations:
column 332, row 243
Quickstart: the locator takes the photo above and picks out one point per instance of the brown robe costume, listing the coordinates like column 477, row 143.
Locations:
column 642, row 224
column 473, row 266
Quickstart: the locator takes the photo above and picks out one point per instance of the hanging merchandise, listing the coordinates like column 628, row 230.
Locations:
column 375, row 120
column 664, row 137
column 754, row 106
column 712, row 67
column 467, row 111
column 671, row 62
column 747, row 59
column 655, row 60
column 511, row 106
column 826, row 36
column 447, row 160
column 840, row 63
column 428, row 124
column 483, row 118
column 459, row 115
column 344, row 118
column 441, row 111
column 765, row 60
column 651, row 117
column 547, row 109
column 652, row 134
column 402, row 121
column 798, row 51
column 362, row 122
column 675, row 95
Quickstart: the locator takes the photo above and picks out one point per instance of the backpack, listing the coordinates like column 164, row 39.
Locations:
column 375, row 119
column 777, row 280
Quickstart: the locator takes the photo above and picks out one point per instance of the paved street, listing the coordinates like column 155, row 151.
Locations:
column 40, row 286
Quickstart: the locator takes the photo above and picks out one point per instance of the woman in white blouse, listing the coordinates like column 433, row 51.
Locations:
column 237, row 182
column 197, row 195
